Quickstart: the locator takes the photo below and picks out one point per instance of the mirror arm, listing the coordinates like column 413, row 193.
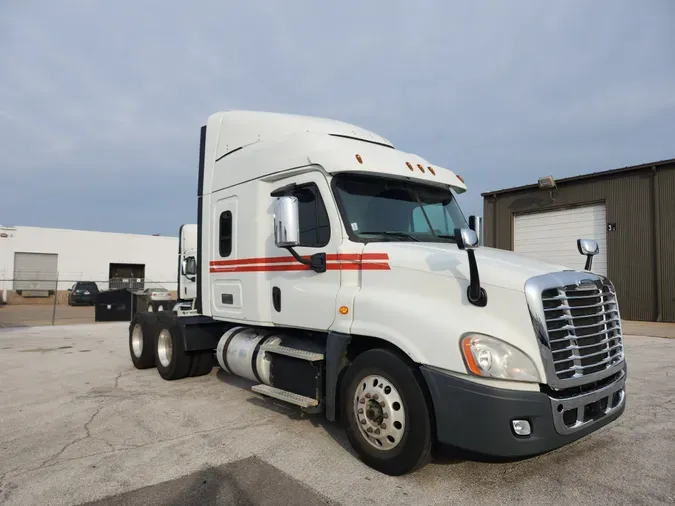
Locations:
column 589, row 262
column 316, row 262
column 476, row 295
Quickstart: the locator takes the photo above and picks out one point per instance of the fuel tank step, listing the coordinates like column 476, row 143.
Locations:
column 284, row 395
column 310, row 356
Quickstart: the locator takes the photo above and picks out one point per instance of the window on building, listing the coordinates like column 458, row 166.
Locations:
column 313, row 217
column 225, row 234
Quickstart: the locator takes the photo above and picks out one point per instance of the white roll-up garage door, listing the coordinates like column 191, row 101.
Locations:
column 35, row 271
column 552, row 235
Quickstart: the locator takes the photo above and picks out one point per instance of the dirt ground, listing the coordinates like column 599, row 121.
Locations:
column 38, row 315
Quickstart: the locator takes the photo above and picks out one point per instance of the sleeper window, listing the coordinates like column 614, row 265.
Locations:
column 225, row 232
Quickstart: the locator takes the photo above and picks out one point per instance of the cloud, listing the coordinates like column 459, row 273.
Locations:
column 106, row 98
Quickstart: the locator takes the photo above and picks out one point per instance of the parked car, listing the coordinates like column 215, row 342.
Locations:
column 83, row 292
column 157, row 293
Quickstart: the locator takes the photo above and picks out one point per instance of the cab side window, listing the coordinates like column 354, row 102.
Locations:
column 225, row 234
column 313, row 217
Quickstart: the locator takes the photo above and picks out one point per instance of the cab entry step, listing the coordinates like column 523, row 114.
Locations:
column 310, row 356
column 284, row 395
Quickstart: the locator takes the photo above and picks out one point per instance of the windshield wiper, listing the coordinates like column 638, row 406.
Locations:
column 450, row 237
column 393, row 234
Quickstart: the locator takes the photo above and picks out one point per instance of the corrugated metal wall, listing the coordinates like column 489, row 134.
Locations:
column 631, row 199
column 666, row 222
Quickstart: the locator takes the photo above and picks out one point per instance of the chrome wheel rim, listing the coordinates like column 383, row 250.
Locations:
column 164, row 347
column 137, row 340
column 379, row 412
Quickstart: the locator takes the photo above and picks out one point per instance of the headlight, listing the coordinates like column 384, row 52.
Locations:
column 491, row 358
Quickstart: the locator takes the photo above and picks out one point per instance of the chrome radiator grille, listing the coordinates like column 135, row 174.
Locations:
column 584, row 328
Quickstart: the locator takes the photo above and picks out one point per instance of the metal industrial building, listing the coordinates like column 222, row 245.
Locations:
column 629, row 211
column 35, row 262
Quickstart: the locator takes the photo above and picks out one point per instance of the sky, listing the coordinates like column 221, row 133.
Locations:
column 101, row 102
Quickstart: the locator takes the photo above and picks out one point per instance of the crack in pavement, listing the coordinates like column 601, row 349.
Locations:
column 77, row 440
column 51, row 462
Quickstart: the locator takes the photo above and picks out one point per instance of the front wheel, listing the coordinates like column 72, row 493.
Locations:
column 388, row 421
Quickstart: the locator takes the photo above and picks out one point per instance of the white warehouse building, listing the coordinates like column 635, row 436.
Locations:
column 34, row 261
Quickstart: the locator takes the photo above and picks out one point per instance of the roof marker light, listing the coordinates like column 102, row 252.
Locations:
column 433, row 172
column 409, row 165
column 460, row 178
column 419, row 166
column 359, row 159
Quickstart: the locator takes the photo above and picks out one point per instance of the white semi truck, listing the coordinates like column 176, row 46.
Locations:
column 187, row 263
column 338, row 273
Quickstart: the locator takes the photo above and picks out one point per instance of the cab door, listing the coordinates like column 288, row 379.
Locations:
column 301, row 297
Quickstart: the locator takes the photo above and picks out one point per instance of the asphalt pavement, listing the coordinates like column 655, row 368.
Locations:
column 78, row 424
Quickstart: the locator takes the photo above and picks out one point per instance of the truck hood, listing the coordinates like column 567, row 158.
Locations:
column 496, row 267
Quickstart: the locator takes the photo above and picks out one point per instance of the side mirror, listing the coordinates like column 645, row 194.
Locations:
column 286, row 222
column 189, row 266
column 466, row 239
column 590, row 248
column 475, row 223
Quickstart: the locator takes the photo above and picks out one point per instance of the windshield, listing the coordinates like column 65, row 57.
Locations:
column 391, row 210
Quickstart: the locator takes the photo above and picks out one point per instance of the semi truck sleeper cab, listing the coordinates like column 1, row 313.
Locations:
column 339, row 274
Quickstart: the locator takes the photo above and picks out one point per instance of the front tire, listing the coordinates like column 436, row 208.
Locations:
column 387, row 417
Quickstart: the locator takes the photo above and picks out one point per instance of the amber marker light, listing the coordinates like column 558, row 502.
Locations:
column 433, row 172
column 460, row 178
column 419, row 166
column 359, row 159
column 409, row 165
column 344, row 310
column 468, row 356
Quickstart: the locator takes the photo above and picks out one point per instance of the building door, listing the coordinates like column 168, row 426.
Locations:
column 131, row 276
column 552, row 235
column 35, row 273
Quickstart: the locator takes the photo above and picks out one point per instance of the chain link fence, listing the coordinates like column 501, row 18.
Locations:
column 35, row 299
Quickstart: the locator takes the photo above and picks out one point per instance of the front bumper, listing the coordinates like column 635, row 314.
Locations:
column 477, row 418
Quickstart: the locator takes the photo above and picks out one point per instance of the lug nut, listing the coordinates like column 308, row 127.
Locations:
column 363, row 422
column 362, row 401
column 375, row 396
column 377, row 431
column 368, row 395
column 381, row 403
column 384, row 426
column 385, row 415
column 369, row 429
column 360, row 411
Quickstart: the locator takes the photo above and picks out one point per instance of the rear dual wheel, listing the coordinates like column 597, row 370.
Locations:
column 387, row 416
column 173, row 362
column 141, row 344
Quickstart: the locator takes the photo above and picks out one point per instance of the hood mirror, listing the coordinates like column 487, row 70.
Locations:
column 588, row 247
column 467, row 240
column 475, row 224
